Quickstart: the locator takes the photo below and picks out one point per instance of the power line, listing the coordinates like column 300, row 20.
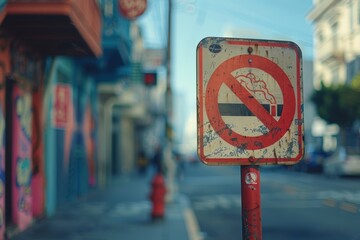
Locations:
column 246, row 16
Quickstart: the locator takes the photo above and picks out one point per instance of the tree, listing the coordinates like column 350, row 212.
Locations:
column 355, row 84
column 339, row 104
column 331, row 105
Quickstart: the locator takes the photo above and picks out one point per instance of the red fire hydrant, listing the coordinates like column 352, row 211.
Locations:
column 157, row 196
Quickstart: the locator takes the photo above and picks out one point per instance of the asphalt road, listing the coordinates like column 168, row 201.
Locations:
column 294, row 205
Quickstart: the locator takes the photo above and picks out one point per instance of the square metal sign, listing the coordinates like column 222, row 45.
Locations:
column 249, row 102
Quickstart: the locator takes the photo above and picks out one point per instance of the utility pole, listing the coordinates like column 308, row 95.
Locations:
column 169, row 111
column 169, row 160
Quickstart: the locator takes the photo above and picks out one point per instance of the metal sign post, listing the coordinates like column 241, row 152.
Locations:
column 250, row 102
column 250, row 203
column 249, row 111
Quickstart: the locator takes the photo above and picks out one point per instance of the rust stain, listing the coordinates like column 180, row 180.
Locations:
column 259, row 144
column 256, row 48
column 275, row 155
column 250, row 223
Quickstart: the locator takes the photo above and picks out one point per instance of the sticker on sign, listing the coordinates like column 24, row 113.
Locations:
column 249, row 102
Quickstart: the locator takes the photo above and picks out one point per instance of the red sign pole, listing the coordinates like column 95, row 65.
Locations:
column 250, row 202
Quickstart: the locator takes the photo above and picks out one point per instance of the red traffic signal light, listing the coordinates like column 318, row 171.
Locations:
column 150, row 78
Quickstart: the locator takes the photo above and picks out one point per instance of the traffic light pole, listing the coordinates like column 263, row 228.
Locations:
column 250, row 203
column 169, row 105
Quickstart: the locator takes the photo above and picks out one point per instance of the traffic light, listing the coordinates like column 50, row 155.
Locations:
column 150, row 79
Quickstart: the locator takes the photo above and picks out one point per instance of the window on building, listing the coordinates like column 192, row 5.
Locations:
column 334, row 31
column 358, row 11
column 320, row 37
column 350, row 71
column 351, row 6
column 335, row 76
column 108, row 9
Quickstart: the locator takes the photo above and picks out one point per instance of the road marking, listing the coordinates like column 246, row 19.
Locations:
column 223, row 202
column 216, row 201
column 329, row 202
column 129, row 209
column 206, row 205
column 192, row 225
column 349, row 207
column 345, row 206
column 271, row 201
column 298, row 204
column 291, row 190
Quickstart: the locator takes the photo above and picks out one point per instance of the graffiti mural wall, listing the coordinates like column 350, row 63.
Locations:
column 2, row 152
column 38, row 178
column 70, row 133
column 21, row 157
column 64, row 123
column 89, row 136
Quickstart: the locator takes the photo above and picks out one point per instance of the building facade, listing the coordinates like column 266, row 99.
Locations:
column 41, row 130
column 73, row 110
column 336, row 55
column 336, row 36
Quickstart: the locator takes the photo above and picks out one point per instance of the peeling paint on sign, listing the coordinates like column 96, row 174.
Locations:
column 249, row 101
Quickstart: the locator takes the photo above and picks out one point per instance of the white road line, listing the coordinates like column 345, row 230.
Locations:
column 192, row 225
column 205, row 205
column 223, row 201
column 292, row 204
column 349, row 207
column 129, row 209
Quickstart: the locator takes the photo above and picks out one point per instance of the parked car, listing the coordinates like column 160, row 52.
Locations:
column 344, row 162
column 313, row 160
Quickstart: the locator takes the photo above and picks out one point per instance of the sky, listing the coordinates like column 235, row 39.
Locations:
column 194, row 20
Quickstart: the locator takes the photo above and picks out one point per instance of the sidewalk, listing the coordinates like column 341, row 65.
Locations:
column 121, row 211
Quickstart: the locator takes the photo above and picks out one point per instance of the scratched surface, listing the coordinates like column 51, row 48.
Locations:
column 249, row 100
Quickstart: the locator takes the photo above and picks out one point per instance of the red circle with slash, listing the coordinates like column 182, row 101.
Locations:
column 277, row 128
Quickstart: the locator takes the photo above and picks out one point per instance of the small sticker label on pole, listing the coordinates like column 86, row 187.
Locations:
column 251, row 178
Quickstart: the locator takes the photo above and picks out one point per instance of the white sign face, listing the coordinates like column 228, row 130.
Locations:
column 250, row 102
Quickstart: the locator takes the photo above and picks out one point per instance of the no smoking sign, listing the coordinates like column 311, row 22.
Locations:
column 250, row 102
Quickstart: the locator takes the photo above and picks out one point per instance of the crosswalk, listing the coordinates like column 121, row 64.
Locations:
column 124, row 209
column 290, row 198
column 216, row 201
column 281, row 200
column 129, row 209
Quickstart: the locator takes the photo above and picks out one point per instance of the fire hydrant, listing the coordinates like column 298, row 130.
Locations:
column 157, row 196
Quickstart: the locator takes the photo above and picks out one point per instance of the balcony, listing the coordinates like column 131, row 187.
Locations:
column 320, row 8
column 335, row 56
column 331, row 51
column 56, row 27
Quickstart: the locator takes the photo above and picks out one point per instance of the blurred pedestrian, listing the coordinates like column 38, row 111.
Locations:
column 180, row 166
column 157, row 160
column 142, row 163
column 170, row 167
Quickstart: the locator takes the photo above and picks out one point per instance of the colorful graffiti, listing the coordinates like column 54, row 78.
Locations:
column 2, row 153
column 38, row 176
column 63, row 116
column 21, row 158
column 89, row 139
column 61, row 105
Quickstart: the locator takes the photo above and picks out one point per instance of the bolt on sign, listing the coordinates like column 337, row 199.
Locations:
column 249, row 102
column 131, row 9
